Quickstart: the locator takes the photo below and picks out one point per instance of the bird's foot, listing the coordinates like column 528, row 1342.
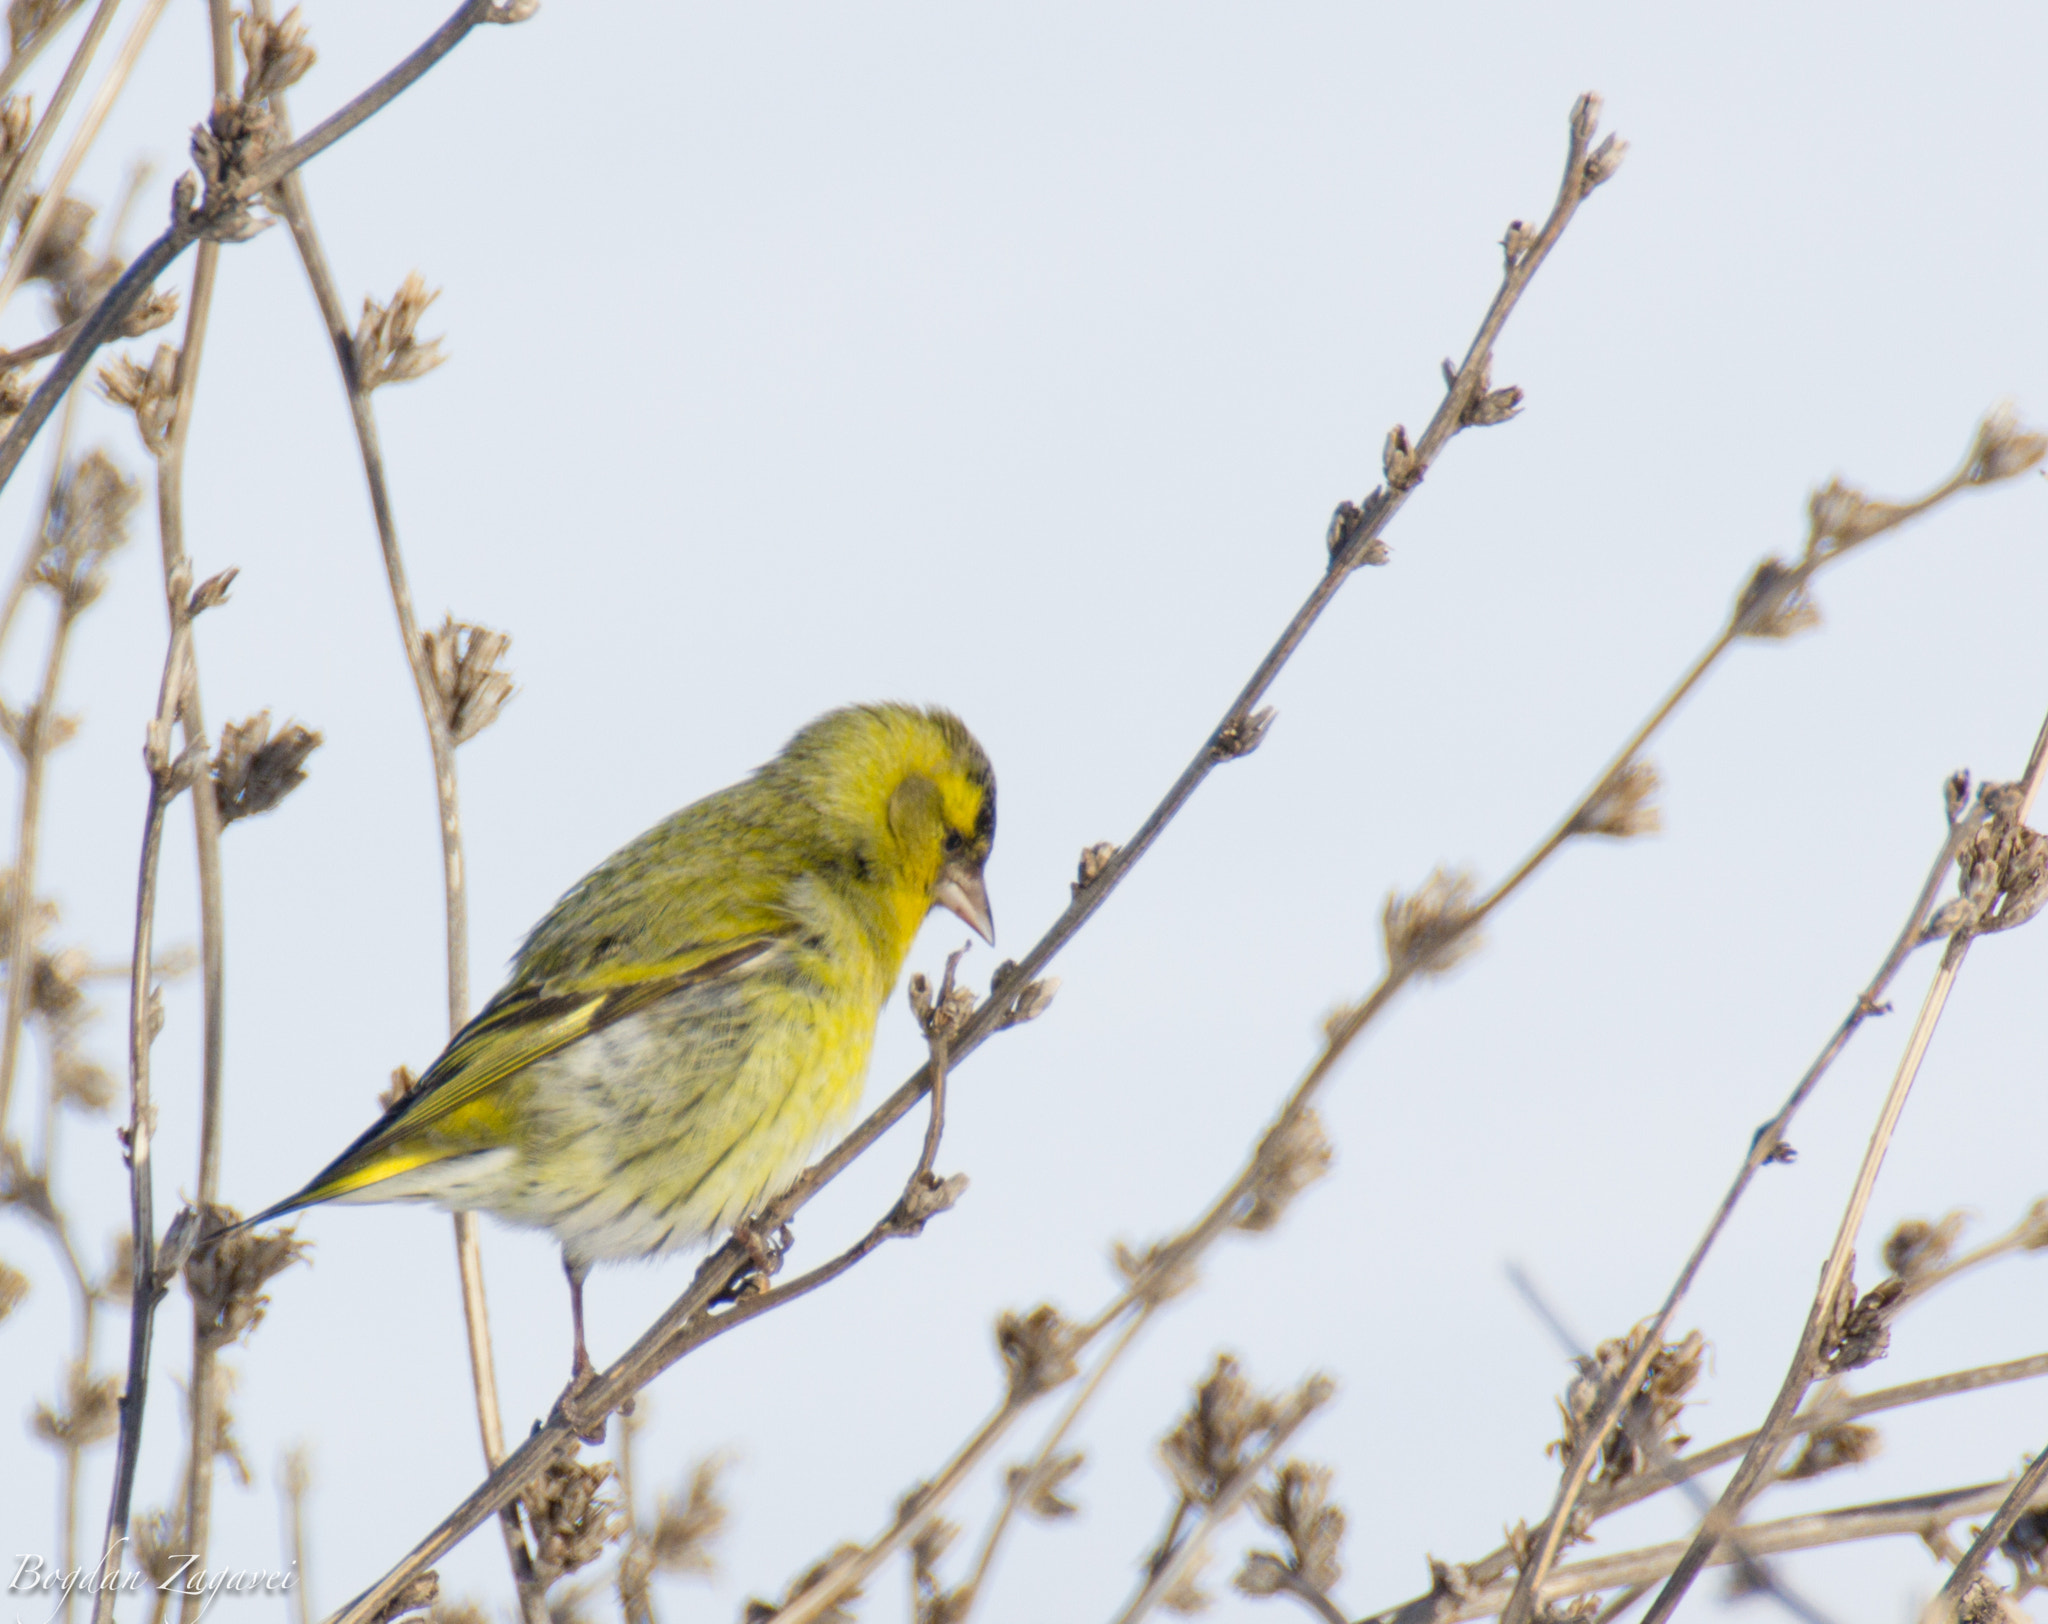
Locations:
column 570, row 1407
column 764, row 1260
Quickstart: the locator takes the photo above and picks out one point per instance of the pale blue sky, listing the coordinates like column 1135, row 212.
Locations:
column 1014, row 359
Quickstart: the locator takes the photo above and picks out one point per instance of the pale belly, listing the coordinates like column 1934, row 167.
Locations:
column 667, row 1127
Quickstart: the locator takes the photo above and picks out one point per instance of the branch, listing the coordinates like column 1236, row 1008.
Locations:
column 188, row 225
column 153, row 1272
column 1919, row 1516
column 44, row 216
column 1354, row 541
column 1829, row 1307
column 1947, row 1604
column 288, row 199
column 1775, row 604
column 1181, row 1558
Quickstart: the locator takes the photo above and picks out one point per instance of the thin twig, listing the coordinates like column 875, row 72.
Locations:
column 1948, row 1601
column 1496, row 1564
column 1181, row 1556
column 1024, row 1476
column 288, row 199
column 294, row 1481
column 1773, row 589
column 24, row 172
column 187, row 226
column 44, row 215
column 1309, row 1596
column 166, row 779
column 1762, row 1453
column 35, row 750
column 1355, row 541
column 1765, row 1145
column 1918, row 1516
column 24, row 58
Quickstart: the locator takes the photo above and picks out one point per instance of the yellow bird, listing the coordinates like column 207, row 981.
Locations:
column 688, row 1023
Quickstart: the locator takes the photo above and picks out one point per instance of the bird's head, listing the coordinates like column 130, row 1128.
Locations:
column 918, row 798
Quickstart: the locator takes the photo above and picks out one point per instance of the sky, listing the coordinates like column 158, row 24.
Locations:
column 1014, row 359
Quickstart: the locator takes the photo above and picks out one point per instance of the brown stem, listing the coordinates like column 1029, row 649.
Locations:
column 1766, row 1143
column 1919, row 1516
column 20, row 61
column 21, row 917
column 44, row 215
column 288, row 198
column 144, row 1290
column 1947, row 1604
column 1007, row 1511
column 1181, row 1555
column 187, row 226
column 1763, row 1453
column 24, row 171
column 1355, row 536
column 203, row 1395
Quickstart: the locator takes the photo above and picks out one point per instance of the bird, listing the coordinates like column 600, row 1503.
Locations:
column 696, row 1014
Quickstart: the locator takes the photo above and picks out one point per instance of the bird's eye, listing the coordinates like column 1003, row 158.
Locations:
column 955, row 843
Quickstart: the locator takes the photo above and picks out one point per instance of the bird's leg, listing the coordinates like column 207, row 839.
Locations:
column 582, row 1373
column 580, row 1366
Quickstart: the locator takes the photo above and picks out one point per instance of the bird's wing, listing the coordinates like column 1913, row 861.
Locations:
column 520, row 1026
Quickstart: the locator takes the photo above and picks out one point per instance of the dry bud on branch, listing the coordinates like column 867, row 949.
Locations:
column 1160, row 1273
column 1029, row 1002
column 940, row 1016
column 1037, row 1350
column 1037, row 1490
column 1094, row 859
column 1916, row 1247
column 2003, row 872
column 86, row 521
column 2003, row 449
column 387, row 348
column 761, row 1612
column 150, row 394
column 931, row 1601
column 90, row 1415
column 1648, row 1424
column 236, row 137
column 422, row 1590
column 253, row 771
column 570, row 1523
column 1228, row 1421
column 211, row 593
column 1398, row 460
column 1241, row 735
column 1858, row 1330
column 1431, row 931
column 1774, row 603
column 156, row 308
column 274, row 50
column 684, row 1534
column 1623, row 806
column 464, row 662
column 24, row 1188
column 1486, row 404
column 403, row 1082
column 226, row 1274
column 1297, row 1507
column 1829, row 1448
column 13, row 1289
column 1345, row 524
column 1290, row 1158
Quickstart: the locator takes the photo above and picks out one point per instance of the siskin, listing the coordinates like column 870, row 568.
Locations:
column 690, row 1020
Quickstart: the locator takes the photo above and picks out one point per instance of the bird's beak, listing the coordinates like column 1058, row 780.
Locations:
column 961, row 890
